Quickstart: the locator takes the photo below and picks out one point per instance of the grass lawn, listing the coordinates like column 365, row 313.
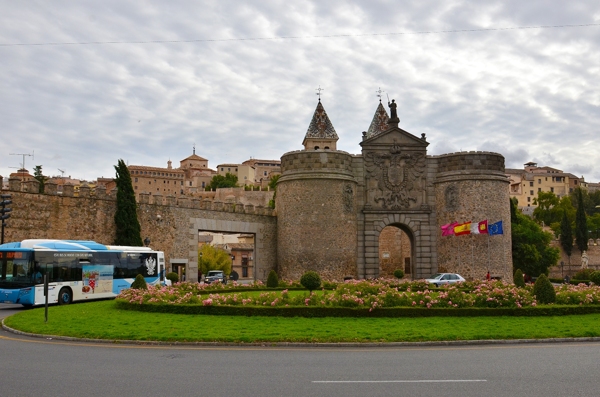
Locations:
column 103, row 321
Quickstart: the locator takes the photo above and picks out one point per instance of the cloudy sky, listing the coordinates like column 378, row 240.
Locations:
column 86, row 83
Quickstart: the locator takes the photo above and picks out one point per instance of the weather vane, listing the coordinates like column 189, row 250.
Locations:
column 319, row 93
column 379, row 91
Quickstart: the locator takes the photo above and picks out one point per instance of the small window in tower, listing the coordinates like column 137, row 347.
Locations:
column 316, row 148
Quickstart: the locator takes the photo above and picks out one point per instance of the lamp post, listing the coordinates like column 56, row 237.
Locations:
column 147, row 241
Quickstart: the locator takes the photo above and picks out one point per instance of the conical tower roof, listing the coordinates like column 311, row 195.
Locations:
column 320, row 127
column 380, row 121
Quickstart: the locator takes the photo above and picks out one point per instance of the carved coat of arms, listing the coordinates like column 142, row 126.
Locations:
column 398, row 175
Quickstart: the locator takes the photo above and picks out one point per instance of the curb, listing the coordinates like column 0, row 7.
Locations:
column 478, row 342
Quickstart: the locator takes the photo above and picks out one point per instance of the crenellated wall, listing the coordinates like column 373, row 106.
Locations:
column 171, row 223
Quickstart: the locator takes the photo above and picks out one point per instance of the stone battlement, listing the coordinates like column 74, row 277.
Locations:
column 99, row 193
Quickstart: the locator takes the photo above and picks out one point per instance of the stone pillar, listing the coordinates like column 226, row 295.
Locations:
column 100, row 191
column 68, row 190
column 14, row 184
column 50, row 188
column 84, row 191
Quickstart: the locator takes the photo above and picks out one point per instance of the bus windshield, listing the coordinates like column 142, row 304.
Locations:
column 16, row 269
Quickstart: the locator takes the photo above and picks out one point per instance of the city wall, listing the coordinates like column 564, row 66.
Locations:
column 171, row 223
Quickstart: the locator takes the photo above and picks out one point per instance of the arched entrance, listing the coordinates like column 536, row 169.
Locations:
column 395, row 251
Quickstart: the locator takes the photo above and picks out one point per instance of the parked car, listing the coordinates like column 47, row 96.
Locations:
column 215, row 275
column 445, row 278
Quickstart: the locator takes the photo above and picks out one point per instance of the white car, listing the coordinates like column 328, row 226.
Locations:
column 445, row 278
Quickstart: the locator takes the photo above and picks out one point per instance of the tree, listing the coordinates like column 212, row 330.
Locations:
column 213, row 258
column 531, row 248
column 273, row 186
column 39, row 176
column 566, row 235
column 220, row 181
column 272, row 279
column 310, row 280
column 126, row 221
column 581, row 229
column 545, row 201
column 544, row 290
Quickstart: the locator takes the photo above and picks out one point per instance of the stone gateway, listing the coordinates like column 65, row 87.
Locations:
column 333, row 206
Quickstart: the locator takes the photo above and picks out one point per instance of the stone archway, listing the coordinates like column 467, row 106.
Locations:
column 396, row 251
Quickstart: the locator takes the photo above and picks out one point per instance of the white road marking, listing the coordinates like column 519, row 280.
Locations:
column 402, row 381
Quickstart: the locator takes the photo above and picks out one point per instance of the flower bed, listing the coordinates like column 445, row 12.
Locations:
column 366, row 295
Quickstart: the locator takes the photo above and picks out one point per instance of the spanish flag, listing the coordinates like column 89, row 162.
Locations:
column 462, row 228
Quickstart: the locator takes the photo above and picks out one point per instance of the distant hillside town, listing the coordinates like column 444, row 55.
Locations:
column 193, row 176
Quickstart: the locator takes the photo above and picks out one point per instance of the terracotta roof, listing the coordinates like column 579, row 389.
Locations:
column 194, row 157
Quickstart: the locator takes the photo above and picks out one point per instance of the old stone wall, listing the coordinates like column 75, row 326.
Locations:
column 171, row 224
column 572, row 265
column 316, row 215
column 471, row 186
column 394, row 251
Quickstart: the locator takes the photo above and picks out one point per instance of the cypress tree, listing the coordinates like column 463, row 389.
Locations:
column 566, row 235
column 128, row 230
column 581, row 232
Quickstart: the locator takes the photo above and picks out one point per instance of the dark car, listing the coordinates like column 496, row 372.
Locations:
column 215, row 275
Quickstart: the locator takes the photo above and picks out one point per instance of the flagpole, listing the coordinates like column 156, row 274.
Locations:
column 472, row 251
column 489, row 258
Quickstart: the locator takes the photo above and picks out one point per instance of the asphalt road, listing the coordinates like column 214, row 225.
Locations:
column 42, row 367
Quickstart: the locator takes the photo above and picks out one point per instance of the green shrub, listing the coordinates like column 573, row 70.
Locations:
column 398, row 273
column 583, row 274
column 139, row 282
column 544, row 290
column 310, row 280
column 272, row 280
column 595, row 277
column 518, row 279
column 174, row 277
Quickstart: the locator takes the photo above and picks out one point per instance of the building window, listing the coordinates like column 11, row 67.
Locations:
column 528, row 199
column 136, row 180
column 265, row 173
column 203, row 184
column 539, row 181
column 531, row 192
column 575, row 182
column 531, row 183
column 552, row 189
column 539, row 189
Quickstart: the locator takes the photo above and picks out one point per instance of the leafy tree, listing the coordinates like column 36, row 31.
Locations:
column 273, row 182
column 545, row 202
column 398, row 273
column 139, row 282
column 273, row 186
column 39, row 176
column 310, row 280
column 531, row 248
column 272, row 279
column 213, row 258
column 566, row 235
column 581, row 228
column 126, row 220
column 544, row 290
column 220, row 181
column 518, row 279
column 173, row 277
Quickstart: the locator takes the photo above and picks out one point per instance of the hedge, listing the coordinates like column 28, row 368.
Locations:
column 310, row 311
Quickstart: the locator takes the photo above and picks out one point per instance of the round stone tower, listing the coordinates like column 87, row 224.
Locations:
column 316, row 207
column 472, row 187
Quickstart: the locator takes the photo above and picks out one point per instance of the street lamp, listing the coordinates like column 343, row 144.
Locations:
column 147, row 241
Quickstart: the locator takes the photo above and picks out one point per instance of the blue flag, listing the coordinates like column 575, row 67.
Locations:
column 495, row 228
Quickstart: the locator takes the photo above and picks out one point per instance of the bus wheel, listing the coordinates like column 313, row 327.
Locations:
column 65, row 296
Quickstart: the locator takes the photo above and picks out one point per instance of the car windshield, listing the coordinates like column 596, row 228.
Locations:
column 437, row 276
column 214, row 273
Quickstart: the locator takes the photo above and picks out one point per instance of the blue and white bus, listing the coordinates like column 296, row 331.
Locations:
column 76, row 270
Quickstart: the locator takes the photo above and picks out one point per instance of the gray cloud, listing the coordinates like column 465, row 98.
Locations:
column 529, row 94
